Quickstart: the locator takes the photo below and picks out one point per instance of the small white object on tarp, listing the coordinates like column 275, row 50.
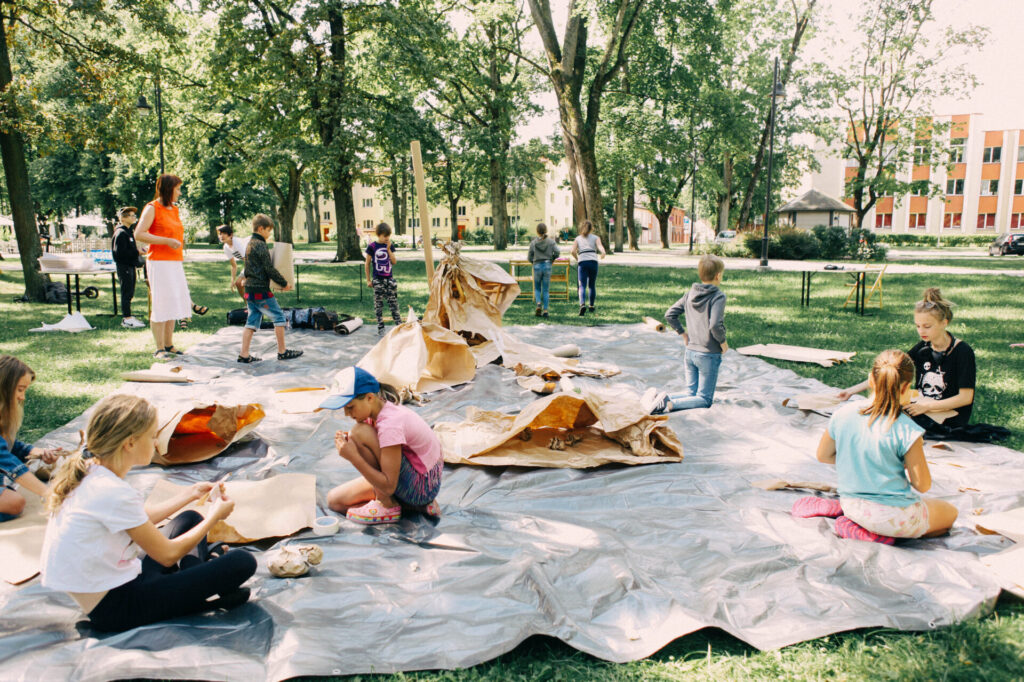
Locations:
column 72, row 322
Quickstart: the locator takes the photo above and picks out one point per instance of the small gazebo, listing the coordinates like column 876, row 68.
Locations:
column 816, row 208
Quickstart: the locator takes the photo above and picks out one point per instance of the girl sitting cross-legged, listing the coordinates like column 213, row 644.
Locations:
column 101, row 544
column 880, row 463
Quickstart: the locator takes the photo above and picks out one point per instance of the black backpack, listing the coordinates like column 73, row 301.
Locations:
column 238, row 316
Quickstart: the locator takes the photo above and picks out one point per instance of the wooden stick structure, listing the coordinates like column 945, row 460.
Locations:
column 421, row 200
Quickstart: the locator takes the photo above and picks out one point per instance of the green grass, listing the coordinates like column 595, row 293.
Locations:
column 977, row 263
column 73, row 371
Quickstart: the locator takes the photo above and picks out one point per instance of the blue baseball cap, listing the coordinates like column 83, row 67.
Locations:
column 348, row 384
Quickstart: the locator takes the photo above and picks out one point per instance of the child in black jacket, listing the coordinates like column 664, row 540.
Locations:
column 127, row 259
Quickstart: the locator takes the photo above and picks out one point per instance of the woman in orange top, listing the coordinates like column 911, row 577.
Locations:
column 161, row 228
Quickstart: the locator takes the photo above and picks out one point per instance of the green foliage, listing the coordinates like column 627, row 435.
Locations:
column 832, row 243
column 480, row 235
column 935, row 241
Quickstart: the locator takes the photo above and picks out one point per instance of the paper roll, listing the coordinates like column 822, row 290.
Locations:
column 282, row 257
column 653, row 324
column 348, row 326
column 569, row 350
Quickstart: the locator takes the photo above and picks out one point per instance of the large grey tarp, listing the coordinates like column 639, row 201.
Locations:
column 616, row 561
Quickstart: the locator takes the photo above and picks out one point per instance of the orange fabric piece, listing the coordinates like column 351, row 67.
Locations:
column 166, row 223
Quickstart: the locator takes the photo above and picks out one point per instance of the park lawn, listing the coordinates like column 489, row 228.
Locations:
column 74, row 371
column 977, row 263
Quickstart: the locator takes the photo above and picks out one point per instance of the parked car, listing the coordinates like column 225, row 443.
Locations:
column 726, row 237
column 1012, row 242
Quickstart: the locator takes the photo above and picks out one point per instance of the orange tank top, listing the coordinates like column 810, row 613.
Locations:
column 166, row 223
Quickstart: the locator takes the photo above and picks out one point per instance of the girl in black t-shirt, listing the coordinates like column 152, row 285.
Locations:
column 944, row 366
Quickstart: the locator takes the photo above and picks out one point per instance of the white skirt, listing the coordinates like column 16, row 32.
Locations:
column 167, row 285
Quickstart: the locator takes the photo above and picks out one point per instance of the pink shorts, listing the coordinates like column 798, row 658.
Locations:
column 887, row 520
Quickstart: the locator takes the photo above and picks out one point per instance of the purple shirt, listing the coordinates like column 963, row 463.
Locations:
column 380, row 259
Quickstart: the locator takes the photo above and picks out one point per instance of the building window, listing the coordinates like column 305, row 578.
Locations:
column 955, row 187
column 446, row 222
column 462, row 210
column 1020, row 154
column 917, row 220
column 989, row 188
column 1018, row 186
column 552, row 197
column 883, row 221
column 414, row 222
column 488, row 220
column 1016, row 221
column 326, row 215
column 435, row 222
column 956, row 150
column 367, row 224
column 368, row 203
column 566, row 199
column 986, row 221
column 478, row 221
column 952, row 220
column 922, row 154
column 992, row 155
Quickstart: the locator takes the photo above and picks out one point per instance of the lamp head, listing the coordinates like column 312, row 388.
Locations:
column 142, row 106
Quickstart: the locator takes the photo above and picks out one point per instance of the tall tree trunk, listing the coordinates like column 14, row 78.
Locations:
column 12, row 147
column 634, row 236
column 453, row 211
column 288, row 204
column 316, row 213
column 312, row 224
column 662, row 217
column 619, row 213
column 345, row 212
column 397, row 199
column 499, row 203
column 725, row 198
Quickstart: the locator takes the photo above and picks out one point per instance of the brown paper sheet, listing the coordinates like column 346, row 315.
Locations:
column 159, row 373
column 274, row 507
column 282, row 257
column 21, row 541
column 420, row 357
column 818, row 356
column 779, row 484
column 613, row 427
column 196, row 432
column 1009, row 524
column 469, row 295
column 537, row 384
column 300, row 400
column 1008, row 566
column 812, row 401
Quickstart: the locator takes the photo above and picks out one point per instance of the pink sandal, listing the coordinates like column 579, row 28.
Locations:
column 810, row 506
column 847, row 528
column 433, row 509
column 373, row 513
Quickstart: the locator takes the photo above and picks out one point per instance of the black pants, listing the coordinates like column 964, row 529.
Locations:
column 160, row 593
column 126, row 275
column 385, row 291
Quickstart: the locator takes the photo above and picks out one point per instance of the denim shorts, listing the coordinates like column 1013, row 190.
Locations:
column 266, row 305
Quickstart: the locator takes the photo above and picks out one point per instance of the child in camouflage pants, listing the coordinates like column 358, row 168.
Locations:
column 380, row 257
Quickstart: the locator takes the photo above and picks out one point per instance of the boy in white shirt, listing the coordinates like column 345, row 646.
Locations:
column 234, row 250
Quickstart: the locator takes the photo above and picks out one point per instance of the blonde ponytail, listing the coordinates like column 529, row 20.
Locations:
column 115, row 419
column 891, row 372
column 932, row 302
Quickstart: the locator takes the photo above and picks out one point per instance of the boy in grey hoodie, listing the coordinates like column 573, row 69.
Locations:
column 704, row 336
column 543, row 252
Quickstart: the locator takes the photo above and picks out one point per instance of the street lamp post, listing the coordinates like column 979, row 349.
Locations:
column 778, row 93
column 143, row 108
column 693, row 186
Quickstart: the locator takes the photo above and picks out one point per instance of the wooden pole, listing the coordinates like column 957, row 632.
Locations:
column 421, row 199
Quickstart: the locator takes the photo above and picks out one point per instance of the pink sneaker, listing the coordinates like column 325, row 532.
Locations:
column 433, row 509
column 373, row 513
column 845, row 528
column 807, row 507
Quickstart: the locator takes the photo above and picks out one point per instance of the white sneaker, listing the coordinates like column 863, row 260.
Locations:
column 132, row 323
column 647, row 400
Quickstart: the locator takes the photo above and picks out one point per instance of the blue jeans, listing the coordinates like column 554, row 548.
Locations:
column 541, row 282
column 701, row 379
column 586, row 273
column 265, row 306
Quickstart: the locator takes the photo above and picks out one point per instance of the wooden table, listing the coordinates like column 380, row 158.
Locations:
column 560, row 268
column 359, row 265
column 860, row 280
column 79, row 273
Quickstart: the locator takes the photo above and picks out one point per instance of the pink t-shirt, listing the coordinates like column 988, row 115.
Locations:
column 398, row 425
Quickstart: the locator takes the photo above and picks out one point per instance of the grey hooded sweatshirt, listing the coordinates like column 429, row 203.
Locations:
column 704, row 305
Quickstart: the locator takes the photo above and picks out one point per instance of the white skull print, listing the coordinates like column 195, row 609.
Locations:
column 933, row 382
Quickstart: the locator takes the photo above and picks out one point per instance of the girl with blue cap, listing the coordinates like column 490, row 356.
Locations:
column 396, row 452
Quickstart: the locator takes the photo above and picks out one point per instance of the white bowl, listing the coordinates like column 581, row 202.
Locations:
column 326, row 525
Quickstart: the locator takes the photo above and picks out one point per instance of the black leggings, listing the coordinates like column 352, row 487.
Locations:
column 126, row 275
column 160, row 593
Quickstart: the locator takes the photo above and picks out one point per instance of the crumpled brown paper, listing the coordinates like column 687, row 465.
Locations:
column 613, row 425
column 469, row 296
column 195, row 431
column 21, row 541
column 274, row 507
column 417, row 357
column 526, row 359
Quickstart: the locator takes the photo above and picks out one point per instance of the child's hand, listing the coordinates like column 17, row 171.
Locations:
column 920, row 407
column 48, row 455
column 686, row 339
column 222, row 508
column 287, row 288
column 845, row 394
column 340, row 441
column 725, row 346
column 173, row 243
column 200, row 489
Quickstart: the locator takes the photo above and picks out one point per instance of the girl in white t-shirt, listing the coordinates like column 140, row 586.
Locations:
column 102, row 546
column 585, row 249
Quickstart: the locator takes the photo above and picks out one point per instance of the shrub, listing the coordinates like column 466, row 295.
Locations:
column 935, row 240
column 786, row 244
column 481, row 235
column 832, row 241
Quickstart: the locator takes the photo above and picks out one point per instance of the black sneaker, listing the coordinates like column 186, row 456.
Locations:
column 289, row 354
column 538, row 311
column 248, row 360
column 591, row 308
column 583, row 310
column 544, row 314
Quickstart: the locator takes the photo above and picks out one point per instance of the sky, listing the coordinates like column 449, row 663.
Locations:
column 998, row 66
